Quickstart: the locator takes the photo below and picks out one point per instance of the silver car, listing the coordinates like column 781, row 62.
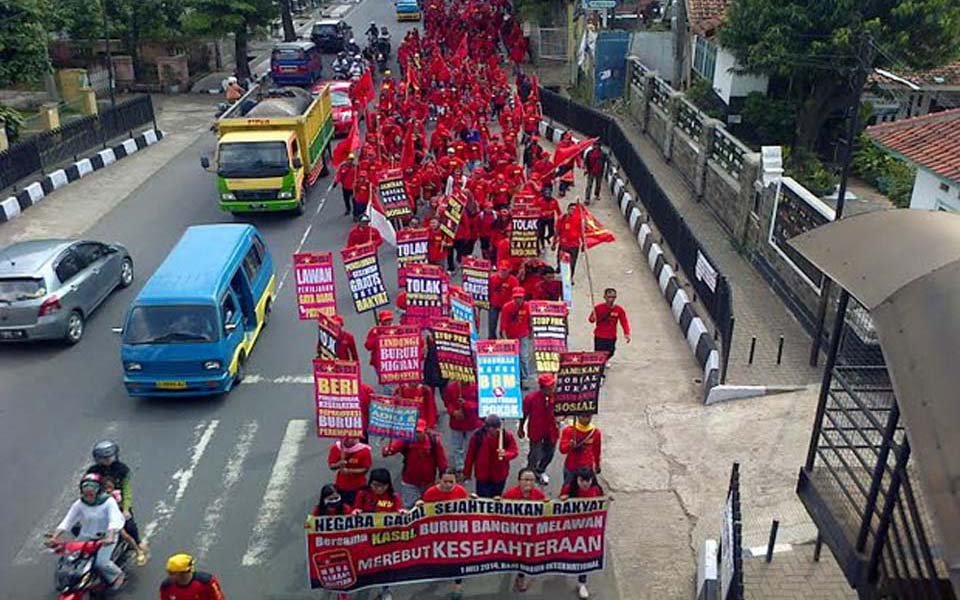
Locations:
column 48, row 288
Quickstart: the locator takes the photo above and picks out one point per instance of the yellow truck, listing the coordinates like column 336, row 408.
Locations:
column 272, row 145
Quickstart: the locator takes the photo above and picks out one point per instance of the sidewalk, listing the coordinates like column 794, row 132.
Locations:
column 794, row 575
column 666, row 456
column 757, row 309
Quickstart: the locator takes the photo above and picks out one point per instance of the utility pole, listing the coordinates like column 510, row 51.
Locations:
column 858, row 80
column 111, row 80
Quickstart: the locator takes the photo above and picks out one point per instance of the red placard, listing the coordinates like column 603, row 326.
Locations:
column 313, row 272
column 454, row 352
column 362, row 266
column 548, row 323
column 524, row 201
column 393, row 193
column 451, row 211
column 327, row 334
column 336, row 385
column 455, row 539
column 578, row 383
column 428, row 294
column 399, row 357
column 411, row 249
column 476, row 280
column 523, row 233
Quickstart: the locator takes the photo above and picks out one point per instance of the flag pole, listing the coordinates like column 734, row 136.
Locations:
column 586, row 256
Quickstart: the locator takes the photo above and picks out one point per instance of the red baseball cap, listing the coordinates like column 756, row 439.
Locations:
column 518, row 292
column 547, row 380
column 385, row 315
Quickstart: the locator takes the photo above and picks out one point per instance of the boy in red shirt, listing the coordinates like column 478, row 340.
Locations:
column 542, row 429
column 606, row 315
column 515, row 325
column 351, row 460
column 582, row 443
column 423, row 459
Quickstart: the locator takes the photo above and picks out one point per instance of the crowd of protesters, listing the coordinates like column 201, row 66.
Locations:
column 483, row 116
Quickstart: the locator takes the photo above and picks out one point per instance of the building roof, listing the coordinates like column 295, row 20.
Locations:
column 705, row 16
column 939, row 77
column 930, row 141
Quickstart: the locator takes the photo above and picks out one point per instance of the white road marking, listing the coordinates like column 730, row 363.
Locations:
column 210, row 530
column 33, row 548
column 164, row 508
column 300, row 379
column 303, row 238
column 274, row 496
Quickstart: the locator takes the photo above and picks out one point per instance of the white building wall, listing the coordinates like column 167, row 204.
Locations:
column 729, row 84
column 929, row 195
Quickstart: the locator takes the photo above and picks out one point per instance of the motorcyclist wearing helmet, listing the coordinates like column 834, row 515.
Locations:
column 351, row 47
column 184, row 582
column 373, row 30
column 99, row 517
column 233, row 90
column 340, row 64
column 106, row 456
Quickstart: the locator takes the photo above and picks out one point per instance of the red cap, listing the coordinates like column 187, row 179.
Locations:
column 421, row 425
column 384, row 315
column 337, row 319
column 547, row 380
column 504, row 265
column 518, row 292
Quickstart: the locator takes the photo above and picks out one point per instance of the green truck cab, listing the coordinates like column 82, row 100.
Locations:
column 272, row 145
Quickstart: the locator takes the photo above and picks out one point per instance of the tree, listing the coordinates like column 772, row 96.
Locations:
column 240, row 17
column 289, row 33
column 827, row 49
column 23, row 42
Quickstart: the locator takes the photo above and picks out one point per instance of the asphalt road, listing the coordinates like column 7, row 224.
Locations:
column 228, row 479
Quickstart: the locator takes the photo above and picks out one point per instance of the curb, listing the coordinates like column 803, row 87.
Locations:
column 684, row 311
column 12, row 206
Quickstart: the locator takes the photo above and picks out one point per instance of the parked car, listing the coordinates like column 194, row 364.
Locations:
column 331, row 34
column 407, row 10
column 49, row 288
column 341, row 107
column 296, row 63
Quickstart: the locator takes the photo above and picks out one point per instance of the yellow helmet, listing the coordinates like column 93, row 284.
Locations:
column 180, row 563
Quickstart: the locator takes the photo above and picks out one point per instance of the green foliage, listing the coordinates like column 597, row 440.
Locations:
column 23, row 38
column 13, row 122
column 218, row 17
column 893, row 177
column 807, row 168
column 816, row 45
column 771, row 120
column 701, row 94
column 540, row 12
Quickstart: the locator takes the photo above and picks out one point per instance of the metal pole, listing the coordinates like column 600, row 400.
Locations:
column 772, row 540
column 106, row 40
column 853, row 126
column 827, row 376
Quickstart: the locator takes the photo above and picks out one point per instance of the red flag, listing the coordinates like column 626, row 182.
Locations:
column 461, row 52
column 350, row 144
column 407, row 156
column 563, row 156
column 594, row 233
column 535, row 87
column 365, row 90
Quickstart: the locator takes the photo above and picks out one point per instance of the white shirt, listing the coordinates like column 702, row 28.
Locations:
column 93, row 520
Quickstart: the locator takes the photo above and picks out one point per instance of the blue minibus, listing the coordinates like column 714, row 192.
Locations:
column 192, row 327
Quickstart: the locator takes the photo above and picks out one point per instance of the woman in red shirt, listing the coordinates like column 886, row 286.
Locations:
column 331, row 503
column 526, row 489
column 351, row 460
column 445, row 489
column 583, row 485
column 379, row 496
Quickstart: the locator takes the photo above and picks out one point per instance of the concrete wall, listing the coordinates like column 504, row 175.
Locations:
column 654, row 49
column 928, row 195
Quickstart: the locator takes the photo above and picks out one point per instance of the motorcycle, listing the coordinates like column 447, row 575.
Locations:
column 381, row 60
column 76, row 576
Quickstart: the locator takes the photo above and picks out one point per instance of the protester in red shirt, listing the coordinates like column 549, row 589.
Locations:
column 486, row 219
column 379, row 496
column 330, row 504
column 184, row 582
column 423, row 460
column 346, row 176
column 462, row 405
column 361, row 194
column 351, row 460
column 594, row 163
column 526, row 489
column 346, row 344
column 606, row 315
column 515, row 325
column 501, row 286
column 549, row 210
column 489, row 454
column 384, row 319
column 446, row 488
column 365, row 393
column 362, row 233
column 422, row 396
column 550, row 288
column 437, row 243
column 570, row 237
column 582, row 443
column 541, row 423
column 582, row 485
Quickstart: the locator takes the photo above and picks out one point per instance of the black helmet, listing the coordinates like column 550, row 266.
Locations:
column 106, row 449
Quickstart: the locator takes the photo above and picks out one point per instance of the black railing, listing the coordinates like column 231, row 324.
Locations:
column 684, row 245
column 48, row 150
column 730, row 557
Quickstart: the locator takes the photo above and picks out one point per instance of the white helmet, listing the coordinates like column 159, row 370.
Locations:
column 231, row 80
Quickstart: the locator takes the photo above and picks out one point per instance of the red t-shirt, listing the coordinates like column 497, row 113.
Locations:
column 515, row 320
column 606, row 318
column 501, row 288
column 359, row 458
column 203, row 586
column 541, row 421
column 422, row 460
column 363, row 235
column 369, row 502
column 515, row 493
column 435, row 494
column 594, row 491
column 569, row 232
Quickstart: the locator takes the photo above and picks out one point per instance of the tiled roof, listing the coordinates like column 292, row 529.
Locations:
column 931, row 141
column 947, row 75
column 706, row 15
